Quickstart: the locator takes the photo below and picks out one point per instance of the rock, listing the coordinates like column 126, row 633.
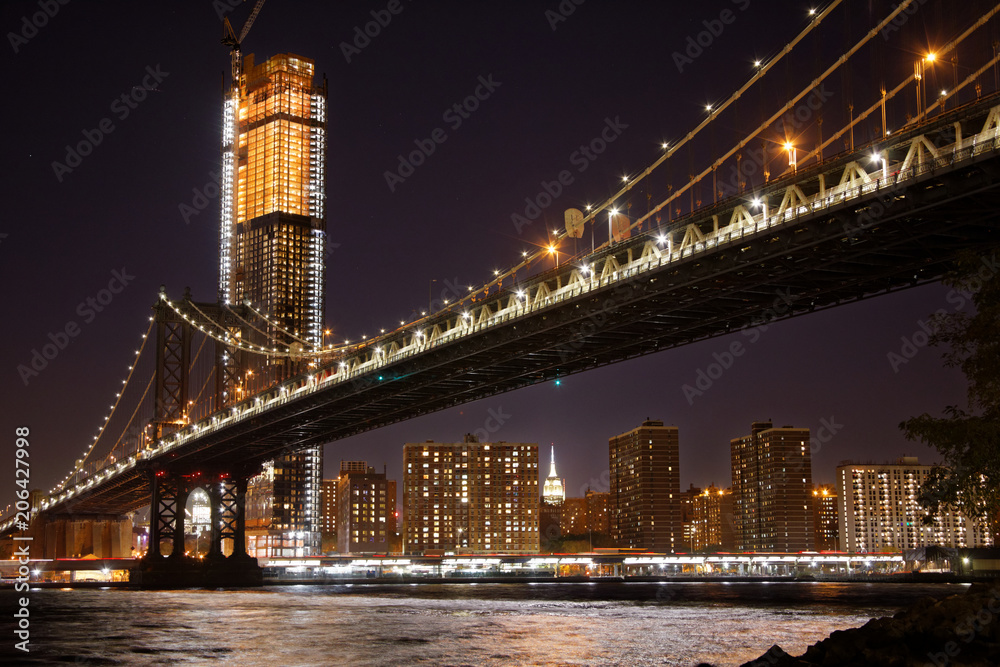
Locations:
column 958, row 631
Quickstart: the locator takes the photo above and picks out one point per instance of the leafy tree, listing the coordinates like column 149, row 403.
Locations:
column 967, row 438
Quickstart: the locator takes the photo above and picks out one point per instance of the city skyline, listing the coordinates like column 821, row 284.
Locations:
column 831, row 369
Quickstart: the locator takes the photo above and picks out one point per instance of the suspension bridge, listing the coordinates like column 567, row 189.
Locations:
column 216, row 389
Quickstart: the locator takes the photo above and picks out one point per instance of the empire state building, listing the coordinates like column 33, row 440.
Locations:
column 554, row 491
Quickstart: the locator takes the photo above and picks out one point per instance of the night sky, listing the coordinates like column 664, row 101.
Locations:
column 556, row 83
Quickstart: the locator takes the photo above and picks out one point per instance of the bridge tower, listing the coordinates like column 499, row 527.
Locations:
column 170, row 488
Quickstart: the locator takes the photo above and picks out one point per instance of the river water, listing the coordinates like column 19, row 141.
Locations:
column 606, row 623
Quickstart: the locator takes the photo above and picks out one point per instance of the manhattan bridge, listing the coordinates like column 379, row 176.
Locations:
column 215, row 388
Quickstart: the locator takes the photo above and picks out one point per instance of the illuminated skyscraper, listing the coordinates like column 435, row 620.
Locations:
column 480, row 497
column 366, row 509
column 772, row 489
column 328, row 504
column 825, row 521
column 878, row 510
column 713, row 521
column 271, row 251
column 554, row 491
column 645, row 503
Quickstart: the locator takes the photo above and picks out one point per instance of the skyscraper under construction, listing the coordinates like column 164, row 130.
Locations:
column 271, row 244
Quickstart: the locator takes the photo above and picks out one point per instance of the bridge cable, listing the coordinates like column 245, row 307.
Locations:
column 840, row 61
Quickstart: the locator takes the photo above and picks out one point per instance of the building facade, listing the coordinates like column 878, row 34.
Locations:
column 772, row 489
column 328, row 505
column 272, row 253
column 471, row 496
column 366, row 509
column 598, row 516
column 574, row 517
column 825, row 519
column 282, row 502
column 553, row 496
column 687, row 517
column 877, row 510
column 554, row 491
column 644, row 502
column 714, row 525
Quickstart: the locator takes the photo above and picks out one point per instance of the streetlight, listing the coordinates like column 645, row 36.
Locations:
column 792, row 156
column 919, row 70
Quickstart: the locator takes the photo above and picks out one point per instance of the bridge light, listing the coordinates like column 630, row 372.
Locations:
column 756, row 63
column 663, row 146
column 756, row 202
column 708, row 108
column 812, row 12
column 661, row 239
column 931, row 57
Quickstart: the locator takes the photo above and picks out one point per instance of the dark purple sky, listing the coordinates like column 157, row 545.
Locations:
column 119, row 210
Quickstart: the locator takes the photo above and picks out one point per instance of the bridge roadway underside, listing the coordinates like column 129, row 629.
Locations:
column 790, row 270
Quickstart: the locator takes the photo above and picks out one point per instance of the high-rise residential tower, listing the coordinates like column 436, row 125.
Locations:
column 479, row 497
column 366, row 509
column 645, row 503
column 271, row 252
column 713, row 521
column 772, row 489
column 877, row 510
column 825, row 521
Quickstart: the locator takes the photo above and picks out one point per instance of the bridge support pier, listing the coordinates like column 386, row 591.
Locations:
column 227, row 496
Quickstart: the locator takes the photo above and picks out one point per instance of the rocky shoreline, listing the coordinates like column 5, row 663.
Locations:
column 958, row 631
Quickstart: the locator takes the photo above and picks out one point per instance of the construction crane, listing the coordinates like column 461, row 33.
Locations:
column 230, row 39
